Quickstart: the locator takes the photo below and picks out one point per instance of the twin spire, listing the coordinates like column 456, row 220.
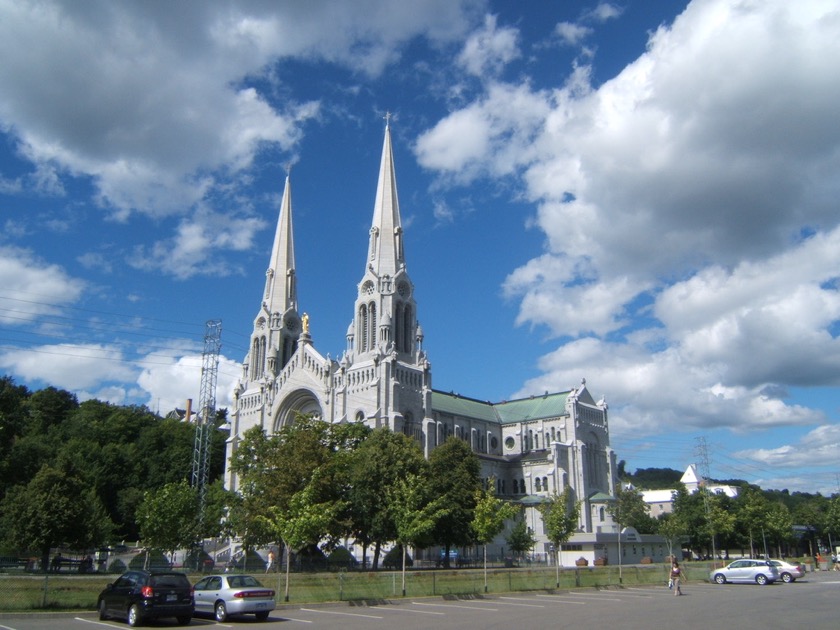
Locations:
column 386, row 255
column 386, row 246
column 281, row 284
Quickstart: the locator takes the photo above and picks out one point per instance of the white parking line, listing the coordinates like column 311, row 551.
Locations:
column 457, row 606
column 298, row 620
column 557, row 599
column 346, row 614
column 421, row 612
column 510, row 603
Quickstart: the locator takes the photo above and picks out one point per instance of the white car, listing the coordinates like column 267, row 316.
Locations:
column 788, row 571
column 225, row 595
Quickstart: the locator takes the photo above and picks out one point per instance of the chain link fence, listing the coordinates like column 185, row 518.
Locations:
column 67, row 589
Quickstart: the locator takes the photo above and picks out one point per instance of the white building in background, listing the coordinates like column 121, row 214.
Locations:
column 532, row 447
column 662, row 501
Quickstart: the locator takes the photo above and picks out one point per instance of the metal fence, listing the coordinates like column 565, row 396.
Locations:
column 24, row 590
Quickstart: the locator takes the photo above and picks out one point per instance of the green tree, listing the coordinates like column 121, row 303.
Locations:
column 415, row 517
column 560, row 520
column 520, row 539
column 302, row 523
column 489, row 519
column 830, row 522
column 779, row 526
column 55, row 508
column 673, row 530
column 376, row 466
column 168, row 517
column 751, row 515
column 454, row 477
column 630, row 510
column 12, row 424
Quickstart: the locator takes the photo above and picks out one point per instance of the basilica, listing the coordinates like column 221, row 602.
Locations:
column 533, row 447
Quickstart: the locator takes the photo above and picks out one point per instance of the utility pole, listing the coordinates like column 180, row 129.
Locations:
column 206, row 416
column 703, row 455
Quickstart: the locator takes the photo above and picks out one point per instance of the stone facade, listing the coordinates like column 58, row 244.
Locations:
column 532, row 447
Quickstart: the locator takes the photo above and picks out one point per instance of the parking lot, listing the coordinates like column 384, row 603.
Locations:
column 808, row 603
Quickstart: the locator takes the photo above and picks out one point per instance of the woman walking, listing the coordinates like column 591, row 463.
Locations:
column 676, row 577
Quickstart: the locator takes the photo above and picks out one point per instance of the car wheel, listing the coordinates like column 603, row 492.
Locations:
column 720, row 578
column 102, row 611
column 183, row 620
column 133, row 618
column 221, row 611
column 262, row 615
column 787, row 577
column 761, row 579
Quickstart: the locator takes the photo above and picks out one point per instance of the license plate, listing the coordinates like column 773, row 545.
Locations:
column 262, row 605
column 172, row 598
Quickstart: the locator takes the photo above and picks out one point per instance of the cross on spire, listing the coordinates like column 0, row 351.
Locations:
column 387, row 118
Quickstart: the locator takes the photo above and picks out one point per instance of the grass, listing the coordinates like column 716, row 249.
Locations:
column 30, row 592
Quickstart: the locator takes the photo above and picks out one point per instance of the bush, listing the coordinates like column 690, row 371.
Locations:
column 393, row 559
column 341, row 558
column 117, row 566
column 156, row 561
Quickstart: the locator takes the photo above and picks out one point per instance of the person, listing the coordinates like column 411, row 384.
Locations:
column 676, row 577
column 270, row 565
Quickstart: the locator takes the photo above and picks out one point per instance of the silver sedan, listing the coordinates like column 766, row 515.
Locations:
column 747, row 571
column 224, row 596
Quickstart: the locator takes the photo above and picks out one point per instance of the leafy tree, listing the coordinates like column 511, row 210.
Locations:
column 55, row 508
column 779, row 526
column 375, row 468
column 751, row 514
column 520, row 539
column 12, row 424
column 831, row 518
column 303, row 523
column 168, row 517
column 415, row 517
column 673, row 529
column 489, row 519
column 630, row 510
column 560, row 520
column 49, row 407
column 454, row 477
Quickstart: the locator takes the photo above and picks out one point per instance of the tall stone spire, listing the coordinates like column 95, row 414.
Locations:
column 386, row 238
column 386, row 314
column 277, row 324
column 280, row 282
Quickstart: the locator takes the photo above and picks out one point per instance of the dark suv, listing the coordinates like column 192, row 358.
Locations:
column 140, row 595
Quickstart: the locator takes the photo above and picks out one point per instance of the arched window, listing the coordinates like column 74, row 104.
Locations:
column 363, row 328
column 539, row 484
column 372, row 327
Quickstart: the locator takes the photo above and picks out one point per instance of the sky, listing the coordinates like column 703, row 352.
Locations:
column 639, row 193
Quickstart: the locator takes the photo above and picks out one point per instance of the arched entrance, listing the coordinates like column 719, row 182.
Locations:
column 301, row 401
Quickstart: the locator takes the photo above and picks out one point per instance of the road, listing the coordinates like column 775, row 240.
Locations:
column 810, row 603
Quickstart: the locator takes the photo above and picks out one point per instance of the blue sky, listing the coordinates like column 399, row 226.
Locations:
column 639, row 193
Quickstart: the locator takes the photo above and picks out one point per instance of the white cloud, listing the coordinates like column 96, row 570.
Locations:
column 673, row 198
column 168, row 385
column 68, row 366
column 31, row 287
column 150, row 102
column 818, row 447
column 191, row 250
column 572, row 34
column 487, row 52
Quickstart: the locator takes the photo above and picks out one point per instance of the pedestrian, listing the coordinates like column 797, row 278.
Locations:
column 676, row 577
column 270, row 565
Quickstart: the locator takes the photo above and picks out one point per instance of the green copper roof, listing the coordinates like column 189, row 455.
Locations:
column 532, row 408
